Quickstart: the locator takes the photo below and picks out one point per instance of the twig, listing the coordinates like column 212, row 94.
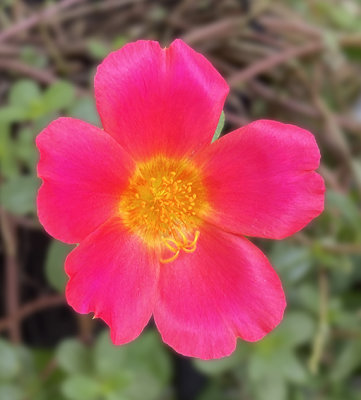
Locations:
column 236, row 120
column 227, row 26
column 53, row 50
column 322, row 332
column 26, row 222
column 85, row 328
column 300, row 107
column 34, row 19
column 42, row 76
column 12, row 274
column 6, row 50
column 273, row 61
column 283, row 24
column 335, row 133
column 102, row 6
column 41, row 303
column 224, row 27
column 33, row 307
column 267, row 93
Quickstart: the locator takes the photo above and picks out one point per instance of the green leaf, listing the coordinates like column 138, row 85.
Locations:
column 341, row 262
column 346, row 207
column 18, row 194
column 11, row 392
column 9, row 362
column 292, row 262
column 297, row 328
column 26, row 360
column 98, row 49
column 23, row 93
column 37, row 109
column 348, row 360
column 58, row 96
column 119, row 42
column 258, row 367
column 10, row 114
column 42, row 359
column 290, row 367
column 54, row 264
column 219, row 127
column 143, row 360
column 84, row 108
column 222, row 365
column 356, row 168
column 31, row 56
column 283, row 364
column 352, row 53
column 308, row 298
column 271, row 387
column 148, row 352
column 81, row 387
column 43, row 120
column 213, row 391
column 9, row 168
column 25, row 151
column 108, row 358
column 150, row 389
column 338, row 14
column 216, row 367
column 73, row 357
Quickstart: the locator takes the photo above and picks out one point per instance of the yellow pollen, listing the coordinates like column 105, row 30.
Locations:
column 164, row 204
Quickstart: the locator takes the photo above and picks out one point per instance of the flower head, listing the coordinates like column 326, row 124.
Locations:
column 161, row 213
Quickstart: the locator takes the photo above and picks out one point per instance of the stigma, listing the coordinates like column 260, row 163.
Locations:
column 164, row 204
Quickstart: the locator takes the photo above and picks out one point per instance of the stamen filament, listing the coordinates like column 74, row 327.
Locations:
column 164, row 204
column 170, row 247
column 187, row 246
column 170, row 259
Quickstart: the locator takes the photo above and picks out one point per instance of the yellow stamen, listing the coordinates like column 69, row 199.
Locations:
column 187, row 246
column 194, row 242
column 170, row 259
column 164, row 204
column 170, row 247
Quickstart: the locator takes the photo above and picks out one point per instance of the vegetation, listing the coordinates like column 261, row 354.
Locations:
column 293, row 61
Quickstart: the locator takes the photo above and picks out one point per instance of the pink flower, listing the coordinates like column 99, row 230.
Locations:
column 161, row 213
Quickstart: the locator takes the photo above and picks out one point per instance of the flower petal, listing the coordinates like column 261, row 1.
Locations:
column 113, row 275
column 261, row 180
column 83, row 171
column 154, row 100
column 225, row 289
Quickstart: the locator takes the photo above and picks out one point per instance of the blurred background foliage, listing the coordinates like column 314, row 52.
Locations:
column 294, row 61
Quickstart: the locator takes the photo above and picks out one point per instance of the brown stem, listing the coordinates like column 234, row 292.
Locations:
column 33, row 307
column 322, row 332
column 216, row 29
column 102, row 6
column 273, row 61
column 224, row 27
column 39, row 75
column 34, row 19
column 299, row 107
column 11, row 279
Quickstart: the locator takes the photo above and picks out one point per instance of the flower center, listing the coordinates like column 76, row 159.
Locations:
column 164, row 204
